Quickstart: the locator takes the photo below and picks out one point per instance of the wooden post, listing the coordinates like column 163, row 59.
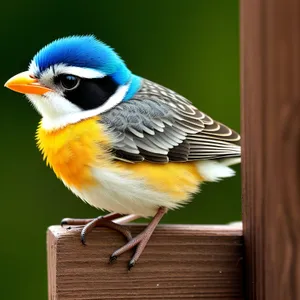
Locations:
column 270, row 43
column 180, row 262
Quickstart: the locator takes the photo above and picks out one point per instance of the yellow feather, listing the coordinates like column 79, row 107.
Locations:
column 178, row 180
column 72, row 150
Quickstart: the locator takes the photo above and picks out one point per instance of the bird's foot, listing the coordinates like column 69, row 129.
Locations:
column 102, row 221
column 113, row 221
column 71, row 221
column 140, row 240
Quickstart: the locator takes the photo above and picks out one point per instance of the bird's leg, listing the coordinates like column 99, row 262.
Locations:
column 140, row 240
column 112, row 220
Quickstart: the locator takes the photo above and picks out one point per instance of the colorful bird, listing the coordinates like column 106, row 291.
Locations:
column 120, row 142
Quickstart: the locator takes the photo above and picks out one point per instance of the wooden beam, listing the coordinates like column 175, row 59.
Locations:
column 270, row 44
column 180, row 262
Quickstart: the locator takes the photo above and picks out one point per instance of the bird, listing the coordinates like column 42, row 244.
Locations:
column 118, row 141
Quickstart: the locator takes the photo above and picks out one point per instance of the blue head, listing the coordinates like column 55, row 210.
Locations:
column 83, row 52
column 79, row 76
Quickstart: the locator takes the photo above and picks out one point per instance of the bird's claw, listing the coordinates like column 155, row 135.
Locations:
column 82, row 239
column 64, row 221
column 131, row 264
column 113, row 259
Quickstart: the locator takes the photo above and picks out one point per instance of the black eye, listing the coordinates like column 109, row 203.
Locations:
column 69, row 82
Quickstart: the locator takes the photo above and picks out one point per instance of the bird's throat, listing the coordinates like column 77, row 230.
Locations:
column 72, row 151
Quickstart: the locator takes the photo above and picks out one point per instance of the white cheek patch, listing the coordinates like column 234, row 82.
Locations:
column 53, row 106
column 57, row 112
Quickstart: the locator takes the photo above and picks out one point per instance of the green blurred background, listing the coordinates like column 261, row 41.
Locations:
column 190, row 46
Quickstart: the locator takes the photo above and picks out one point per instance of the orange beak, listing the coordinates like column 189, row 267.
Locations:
column 26, row 84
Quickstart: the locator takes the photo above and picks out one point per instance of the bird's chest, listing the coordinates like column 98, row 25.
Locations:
column 74, row 150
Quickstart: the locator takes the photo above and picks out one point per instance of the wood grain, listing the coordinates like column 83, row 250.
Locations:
column 270, row 57
column 180, row 261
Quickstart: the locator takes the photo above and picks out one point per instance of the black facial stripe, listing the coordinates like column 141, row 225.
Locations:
column 92, row 93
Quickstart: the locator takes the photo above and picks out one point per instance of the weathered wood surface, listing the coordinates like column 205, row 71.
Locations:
column 270, row 43
column 180, row 262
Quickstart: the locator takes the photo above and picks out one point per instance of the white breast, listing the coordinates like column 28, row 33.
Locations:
column 119, row 192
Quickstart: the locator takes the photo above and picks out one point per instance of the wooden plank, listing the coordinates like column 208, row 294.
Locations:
column 180, row 261
column 270, row 44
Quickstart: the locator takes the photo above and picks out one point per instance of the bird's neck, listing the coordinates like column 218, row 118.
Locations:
column 135, row 85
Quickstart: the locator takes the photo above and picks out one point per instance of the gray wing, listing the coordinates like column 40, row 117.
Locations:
column 158, row 125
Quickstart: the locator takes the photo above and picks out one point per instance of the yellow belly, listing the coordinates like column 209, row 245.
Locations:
column 178, row 180
column 75, row 150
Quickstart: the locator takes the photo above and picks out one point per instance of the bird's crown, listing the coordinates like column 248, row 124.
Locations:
column 83, row 52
